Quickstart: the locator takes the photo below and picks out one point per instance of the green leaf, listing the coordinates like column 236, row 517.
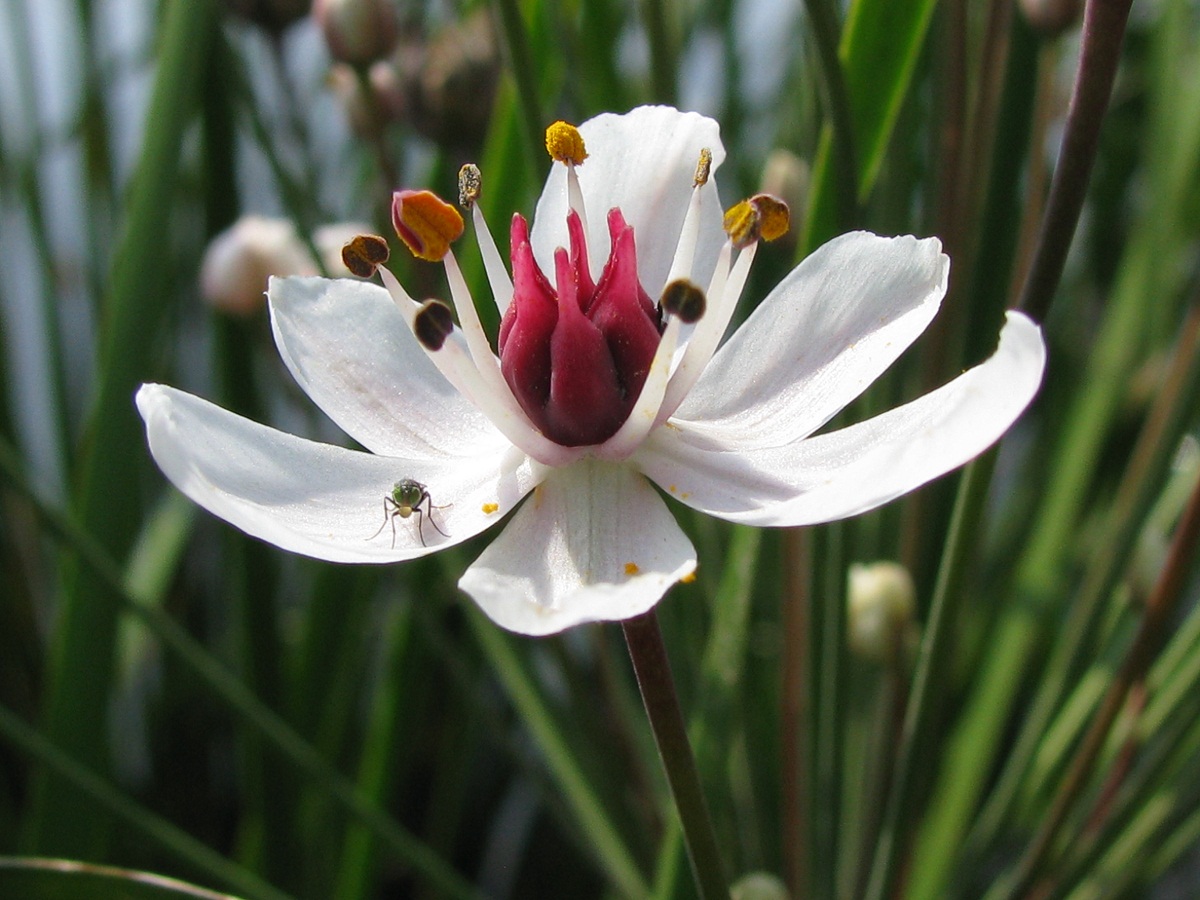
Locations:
column 881, row 41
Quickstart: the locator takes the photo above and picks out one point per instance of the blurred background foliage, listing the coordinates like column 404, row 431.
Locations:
column 1019, row 720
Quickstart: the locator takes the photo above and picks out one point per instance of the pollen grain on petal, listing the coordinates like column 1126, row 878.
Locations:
column 433, row 324
column 470, row 185
column 564, row 143
column 688, row 578
column 490, row 508
column 631, row 569
column 426, row 223
column 364, row 253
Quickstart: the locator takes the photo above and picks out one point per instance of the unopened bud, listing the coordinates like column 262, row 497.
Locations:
column 882, row 609
column 239, row 260
column 758, row 886
column 1050, row 18
column 358, row 32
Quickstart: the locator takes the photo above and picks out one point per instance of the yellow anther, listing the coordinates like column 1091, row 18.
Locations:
column 426, row 223
column 703, row 168
column 762, row 217
column 364, row 253
column 564, row 143
column 470, row 185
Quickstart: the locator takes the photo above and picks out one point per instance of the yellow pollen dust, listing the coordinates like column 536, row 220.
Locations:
column 631, row 569
column 564, row 143
column 762, row 217
column 489, row 508
column 688, row 578
column 426, row 223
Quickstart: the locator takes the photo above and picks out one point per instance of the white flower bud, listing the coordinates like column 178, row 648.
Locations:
column 239, row 260
column 758, row 886
column 882, row 611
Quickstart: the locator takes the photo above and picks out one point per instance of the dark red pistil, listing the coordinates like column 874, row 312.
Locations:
column 576, row 353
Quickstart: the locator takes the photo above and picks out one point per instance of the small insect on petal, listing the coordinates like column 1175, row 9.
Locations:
column 433, row 324
column 564, row 143
column 426, row 223
column 470, row 185
column 406, row 497
column 684, row 299
column 762, row 217
column 364, row 254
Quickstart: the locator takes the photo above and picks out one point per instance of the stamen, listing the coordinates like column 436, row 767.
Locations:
column 684, row 299
column 565, row 144
column 689, row 232
column 364, row 254
column 724, row 291
column 762, row 217
column 470, row 187
column 432, row 324
column 468, row 317
column 458, row 369
column 426, row 223
column 703, row 168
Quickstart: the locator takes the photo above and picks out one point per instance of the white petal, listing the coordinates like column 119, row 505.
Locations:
column 819, row 340
column 643, row 162
column 593, row 543
column 855, row 469
column 348, row 347
column 317, row 499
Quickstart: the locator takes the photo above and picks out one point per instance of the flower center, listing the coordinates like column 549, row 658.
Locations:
column 576, row 352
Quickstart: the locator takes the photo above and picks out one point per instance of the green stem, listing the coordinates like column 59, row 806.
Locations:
column 521, row 59
column 1159, row 607
column 837, row 98
column 662, row 50
column 1103, row 33
column 648, row 652
column 935, row 648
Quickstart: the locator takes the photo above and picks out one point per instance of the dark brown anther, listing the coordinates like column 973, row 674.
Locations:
column 684, row 299
column 364, row 254
column 433, row 324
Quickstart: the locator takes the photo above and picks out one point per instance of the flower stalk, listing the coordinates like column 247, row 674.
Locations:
column 648, row 652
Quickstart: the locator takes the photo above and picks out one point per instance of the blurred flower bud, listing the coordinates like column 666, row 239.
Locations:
column 357, row 31
column 330, row 239
column 273, row 15
column 758, row 886
column 785, row 175
column 882, row 612
column 1050, row 18
column 238, row 261
column 453, row 82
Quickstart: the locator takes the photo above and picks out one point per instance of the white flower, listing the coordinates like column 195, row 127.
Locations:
column 730, row 434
